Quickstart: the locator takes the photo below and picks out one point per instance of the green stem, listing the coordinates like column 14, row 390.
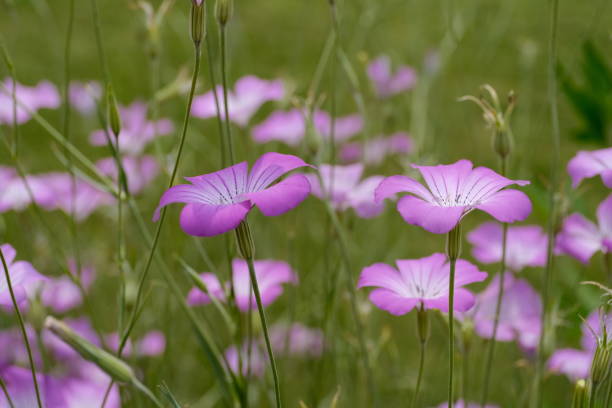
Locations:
column 264, row 325
column 498, row 306
column 22, row 327
column 146, row 391
column 451, row 331
column 466, row 372
column 228, row 129
column 417, row 391
column 6, row 393
column 160, row 224
column 556, row 142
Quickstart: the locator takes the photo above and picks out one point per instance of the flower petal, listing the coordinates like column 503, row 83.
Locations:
column 392, row 302
column 203, row 220
column 269, row 167
column 432, row 218
column 579, row 238
column 507, row 205
column 381, row 275
column 398, row 184
column 281, row 197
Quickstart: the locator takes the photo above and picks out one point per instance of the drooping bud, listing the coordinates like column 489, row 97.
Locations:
column 223, row 11
column 198, row 21
column 453, row 243
column 112, row 111
column 423, row 324
column 600, row 368
column 110, row 364
column 244, row 238
column 581, row 395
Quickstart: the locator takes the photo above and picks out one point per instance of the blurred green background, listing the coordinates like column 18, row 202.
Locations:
column 503, row 43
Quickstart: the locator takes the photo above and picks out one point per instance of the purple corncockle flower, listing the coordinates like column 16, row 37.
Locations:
column 60, row 294
column 218, row 202
column 136, row 130
column 151, row 344
column 290, row 127
column 376, row 150
column 387, row 83
column 525, row 245
column 587, row 164
column 253, row 368
column 84, row 95
column 297, row 339
column 452, row 191
column 581, row 238
column 139, row 171
column 420, row 282
column 343, row 186
column 520, row 313
column 270, row 276
column 20, row 387
column 29, row 99
column 461, row 404
column 247, row 97
column 576, row 363
column 24, row 278
column 16, row 194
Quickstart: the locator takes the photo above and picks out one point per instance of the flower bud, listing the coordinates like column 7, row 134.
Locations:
column 244, row 238
column 113, row 112
column 600, row 367
column 223, row 11
column 110, row 364
column 453, row 243
column 198, row 20
column 581, row 395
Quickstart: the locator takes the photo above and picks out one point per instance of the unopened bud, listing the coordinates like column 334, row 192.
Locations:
column 223, row 11
column 600, row 368
column 110, row 364
column 502, row 142
column 198, row 20
column 113, row 112
column 581, row 395
column 244, row 238
column 453, row 243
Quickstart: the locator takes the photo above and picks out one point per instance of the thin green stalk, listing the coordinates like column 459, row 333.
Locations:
column 554, row 181
column 415, row 398
column 7, row 276
column 143, row 388
column 98, row 35
column 466, row 373
column 264, row 325
column 498, row 306
column 228, row 128
column 6, row 393
column 451, row 331
column 160, row 223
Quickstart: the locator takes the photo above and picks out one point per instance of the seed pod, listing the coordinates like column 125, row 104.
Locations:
column 600, row 368
column 113, row 112
column 581, row 395
column 110, row 364
column 198, row 20
column 223, row 11
column 244, row 238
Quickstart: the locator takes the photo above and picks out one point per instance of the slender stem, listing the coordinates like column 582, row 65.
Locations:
column 556, row 142
column 213, row 82
column 6, row 393
column 264, row 325
column 498, row 306
column 143, row 276
column 228, row 129
column 415, row 398
column 7, row 276
column 98, row 35
column 466, row 372
column 451, row 331
column 146, row 391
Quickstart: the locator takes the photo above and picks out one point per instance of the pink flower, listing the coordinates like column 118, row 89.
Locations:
column 580, row 238
column 24, row 278
column 588, row 164
column 217, row 202
column 461, row 404
column 16, row 194
column 140, row 171
column 253, row 367
column 525, row 245
column 520, row 313
column 453, row 191
column 419, row 282
column 345, row 189
column 151, row 344
column 247, row 97
column 42, row 96
column 387, row 83
column 376, row 150
column 84, row 96
column 270, row 276
column 290, row 127
column 20, row 387
column 136, row 130
column 297, row 339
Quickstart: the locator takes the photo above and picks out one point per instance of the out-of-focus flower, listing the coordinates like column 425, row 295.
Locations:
column 386, row 83
column 136, row 130
column 376, row 150
column 16, row 194
column 290, row 127
column 588, row 164
column 519, row 316
column 253, row 368
column 217, row 202
column 29, row 99
column 525, row 245
column 84, row 95
column 576, row 363
column 453, row 191
column 140, row 171
column 247, row 97
column 461, row 404
column 24, row 278
column 420, row 282
column 151, row 344
column 20, row 387
column 581, row 238
column 297, row 339
column 343, row 186
column 270, row 276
